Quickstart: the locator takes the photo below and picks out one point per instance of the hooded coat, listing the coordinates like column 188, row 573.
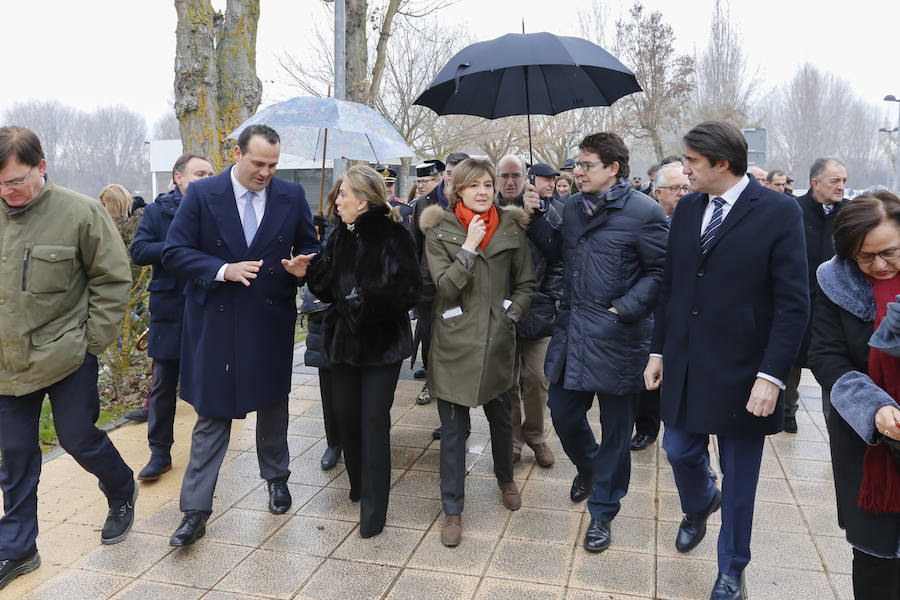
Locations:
column 472, row 353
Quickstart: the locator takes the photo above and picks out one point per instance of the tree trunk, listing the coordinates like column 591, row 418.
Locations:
column 357, row 51
column 216, row 87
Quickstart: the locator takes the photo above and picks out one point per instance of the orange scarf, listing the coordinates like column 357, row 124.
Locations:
column 491, row 220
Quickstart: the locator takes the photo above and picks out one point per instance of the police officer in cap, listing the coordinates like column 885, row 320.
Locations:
column 390, row 181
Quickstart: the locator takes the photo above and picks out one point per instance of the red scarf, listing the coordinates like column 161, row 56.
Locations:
column 879, row 491
column 491, row 220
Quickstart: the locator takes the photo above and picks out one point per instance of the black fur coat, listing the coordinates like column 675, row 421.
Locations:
column 371, row 278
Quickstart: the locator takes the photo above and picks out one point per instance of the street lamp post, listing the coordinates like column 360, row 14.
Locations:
column 892, row 98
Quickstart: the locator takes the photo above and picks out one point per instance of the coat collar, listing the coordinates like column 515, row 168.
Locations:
column 742, row 207
column 846, row 286
column 506, row 236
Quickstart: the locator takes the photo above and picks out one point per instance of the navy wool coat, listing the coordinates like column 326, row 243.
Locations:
column 740, row 309
column 166, row 291
column 613, row 259
column 237, row 342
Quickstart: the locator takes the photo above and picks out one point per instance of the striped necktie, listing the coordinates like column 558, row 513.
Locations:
column 251, row 224
column 714, row 223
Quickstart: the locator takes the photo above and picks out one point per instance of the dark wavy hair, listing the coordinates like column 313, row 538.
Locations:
column 860, row 216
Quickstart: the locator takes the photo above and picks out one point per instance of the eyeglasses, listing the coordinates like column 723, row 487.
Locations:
column 676, row 188
column 18, row 182
column 586, row 165
column 511, row 175
column 426, row 180
column 888, row 254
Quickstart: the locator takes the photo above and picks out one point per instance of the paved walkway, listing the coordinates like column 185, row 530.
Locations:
column 315, row 551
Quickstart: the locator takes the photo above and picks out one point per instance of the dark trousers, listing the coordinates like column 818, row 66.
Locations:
column 792, row 391
column 454, row 430
column 646, row 417
column 610, row 461
column 423, row 329
column 875, row 578
column 332, row 435
column 363, row 397
column 76, row 407
column 209, row 441
column 739, row 458
column 161, row 416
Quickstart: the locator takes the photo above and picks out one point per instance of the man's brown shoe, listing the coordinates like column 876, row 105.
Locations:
column 512, row 499
column 543, row 455
column 451, row 530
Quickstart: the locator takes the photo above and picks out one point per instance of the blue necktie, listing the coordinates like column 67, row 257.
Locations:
column 714, row 223
column 250, row 222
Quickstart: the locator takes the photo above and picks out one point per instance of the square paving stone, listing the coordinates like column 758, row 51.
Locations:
column 413, row 437
column 531, row 561
column 685, row 578
column 549, row 494
column 230, row 489
column 244, row 527
column 843, row 584
column 541, row 525
column 628, row 533
column 421, row 416
column 822, row 520
column 412, row 513
column 402, row 457
column 613, row 571
column 421, row 484
column 670, row 509
column 837, row 552
column 814, row 493
column 505, row 589
column 258, row 499
column 148, row 590
column 200, row 565
column 774, row 584
column 332, row 503
column 309, row 471
column 414, row 584
column 481, row 519
column 562, row 471
column 392, row 546
column 636, row 503
column 769, row 548
column 271, row 574
column 130, row 557
column 66, row 542
column 298, row 444
column 246, row 464
column 773, row 490
column 429, row 461
column 340, row 580
column 576, row 594
column 60, row 503
column 314, row 428
column 309, row 535
column 793, row 448
column 778, row 517
column 469, row 558
column 813, row 470
column 705, row 550
column 75, row 584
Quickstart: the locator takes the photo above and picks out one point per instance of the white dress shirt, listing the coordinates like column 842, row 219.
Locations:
column 240, row 196
column 730, row 197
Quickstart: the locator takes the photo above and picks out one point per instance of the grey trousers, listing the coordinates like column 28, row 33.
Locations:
column 529, row 398
column 209, row 441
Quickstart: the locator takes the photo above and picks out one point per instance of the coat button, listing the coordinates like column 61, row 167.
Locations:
column 695, row 311
column 280, row 238
column 3, row 259
column 271, row 271
column 14, row 382
column 218, row 242
column 221, row 308
column 52, row 257
column 700, row 273
column 2, row 301
column 268, row 301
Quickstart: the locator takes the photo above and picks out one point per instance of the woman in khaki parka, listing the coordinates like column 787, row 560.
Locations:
column 481, row 267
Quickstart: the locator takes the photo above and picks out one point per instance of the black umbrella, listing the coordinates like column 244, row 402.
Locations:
column 525, row 74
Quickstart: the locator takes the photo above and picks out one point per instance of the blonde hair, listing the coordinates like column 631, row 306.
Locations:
column 367, row 184
column 117, row 200
column 465, row 173
column 567, row 177
column 328, row 205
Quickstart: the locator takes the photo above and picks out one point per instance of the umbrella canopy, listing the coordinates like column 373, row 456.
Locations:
column 522, row 74
column 355, row 131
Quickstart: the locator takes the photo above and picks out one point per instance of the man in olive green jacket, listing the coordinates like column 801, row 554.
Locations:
column 64, row 283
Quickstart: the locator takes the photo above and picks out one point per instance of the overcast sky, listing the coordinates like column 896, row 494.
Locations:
column 93, row 53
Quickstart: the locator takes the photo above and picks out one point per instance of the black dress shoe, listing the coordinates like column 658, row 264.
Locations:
column 138, row 415
column 12, row 568
column 436, row 434
column 119, row 520
column 597, row 537
column 727, row 587
column 641, row 441
column 790, row 424
column 693, row 527
column 581, row 487
column 419, row 374
column 330, row 458
column 192, row 528
column 155, row 468
column 279, row 497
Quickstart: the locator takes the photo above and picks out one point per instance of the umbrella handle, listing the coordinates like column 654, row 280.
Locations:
column 456, row 79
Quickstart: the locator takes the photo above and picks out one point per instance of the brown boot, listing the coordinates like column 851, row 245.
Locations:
column 512, row 499
column 451, row 530
column 543, row 455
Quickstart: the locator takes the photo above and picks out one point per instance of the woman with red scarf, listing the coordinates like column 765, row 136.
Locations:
column 481, row 267
column 862, row 384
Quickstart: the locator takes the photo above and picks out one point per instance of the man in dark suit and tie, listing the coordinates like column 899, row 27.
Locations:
column 731, row 315
column 232, row 241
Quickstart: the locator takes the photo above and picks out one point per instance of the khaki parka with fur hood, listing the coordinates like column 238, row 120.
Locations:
column 472, row 352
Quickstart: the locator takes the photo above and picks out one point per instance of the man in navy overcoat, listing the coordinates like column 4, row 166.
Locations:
column 731, row 315
column 232, row 241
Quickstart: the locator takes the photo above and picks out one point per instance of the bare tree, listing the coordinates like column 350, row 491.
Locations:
column 724, row 88
column 216, row 87
column 166, row 127
column 647, row 47
column 49, row 119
